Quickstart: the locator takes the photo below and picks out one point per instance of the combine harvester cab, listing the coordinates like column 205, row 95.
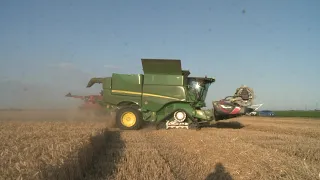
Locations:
column 163, row 94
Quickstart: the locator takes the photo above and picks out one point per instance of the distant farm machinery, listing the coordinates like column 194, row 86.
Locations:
column 90, row 103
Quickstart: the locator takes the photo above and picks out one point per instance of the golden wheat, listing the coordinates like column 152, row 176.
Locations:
column 36, row 146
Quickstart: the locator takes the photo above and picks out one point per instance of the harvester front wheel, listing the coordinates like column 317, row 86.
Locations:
column 128, row 118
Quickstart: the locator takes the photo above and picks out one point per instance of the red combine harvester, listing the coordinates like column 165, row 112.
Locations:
column 90, row 101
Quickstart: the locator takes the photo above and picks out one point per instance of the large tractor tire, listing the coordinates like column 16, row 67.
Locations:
column 128, row 118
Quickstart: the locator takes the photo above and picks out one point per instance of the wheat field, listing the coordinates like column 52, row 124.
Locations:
column 71, row 145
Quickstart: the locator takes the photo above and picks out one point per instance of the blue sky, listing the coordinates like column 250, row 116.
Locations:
column 274, row 47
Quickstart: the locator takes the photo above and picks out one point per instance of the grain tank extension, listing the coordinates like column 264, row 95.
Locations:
column 163, row 94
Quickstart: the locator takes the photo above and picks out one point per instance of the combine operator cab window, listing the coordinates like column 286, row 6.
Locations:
column 197, row 89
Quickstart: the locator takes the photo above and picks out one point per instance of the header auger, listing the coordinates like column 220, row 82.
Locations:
column 166, row 94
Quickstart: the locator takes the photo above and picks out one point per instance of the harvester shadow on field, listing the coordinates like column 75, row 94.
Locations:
column 219, row 173
column 226, row 125
column 98, row 158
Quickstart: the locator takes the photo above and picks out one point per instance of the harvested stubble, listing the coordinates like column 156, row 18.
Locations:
column 241, row 148
column 49, row 150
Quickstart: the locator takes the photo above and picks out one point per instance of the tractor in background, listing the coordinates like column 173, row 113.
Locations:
column 90, row 102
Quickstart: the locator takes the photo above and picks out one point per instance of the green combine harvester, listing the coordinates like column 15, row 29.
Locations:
column 166, row 94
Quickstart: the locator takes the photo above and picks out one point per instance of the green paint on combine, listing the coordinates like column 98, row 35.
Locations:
column 164, row 93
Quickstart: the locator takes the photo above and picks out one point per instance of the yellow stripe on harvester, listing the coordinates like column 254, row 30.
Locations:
column 126, row 92
column 159, row 96
column 144, row 94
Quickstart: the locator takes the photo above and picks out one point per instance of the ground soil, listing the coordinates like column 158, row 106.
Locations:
column 51, row 144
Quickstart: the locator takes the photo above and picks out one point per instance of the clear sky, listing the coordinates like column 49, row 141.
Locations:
column 272, row 46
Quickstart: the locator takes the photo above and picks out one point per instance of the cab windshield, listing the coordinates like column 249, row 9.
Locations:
column 197, row 91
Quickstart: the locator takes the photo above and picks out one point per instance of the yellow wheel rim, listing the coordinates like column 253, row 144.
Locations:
column 128, row 119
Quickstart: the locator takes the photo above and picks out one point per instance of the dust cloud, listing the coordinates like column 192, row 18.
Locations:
column 46, row 88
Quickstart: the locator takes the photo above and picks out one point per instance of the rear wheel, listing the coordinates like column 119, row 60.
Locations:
column 129, row 118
